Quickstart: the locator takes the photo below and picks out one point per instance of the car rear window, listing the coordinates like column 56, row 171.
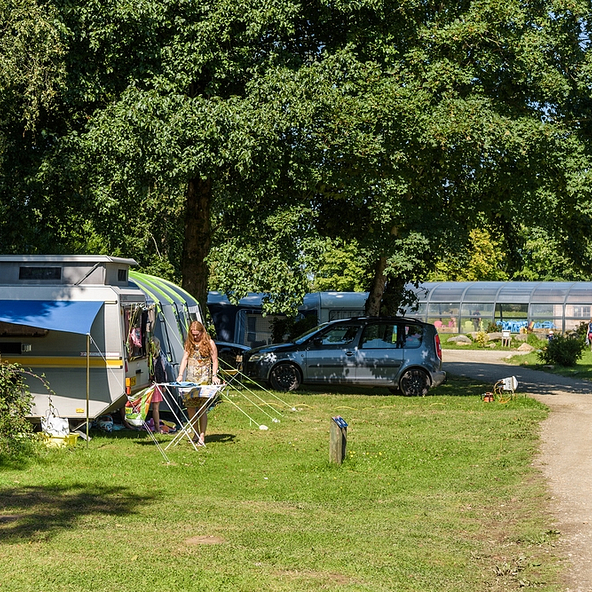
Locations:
column 413, row 336
column 391, row 336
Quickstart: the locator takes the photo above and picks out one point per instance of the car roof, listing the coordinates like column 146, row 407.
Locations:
column 380, row 319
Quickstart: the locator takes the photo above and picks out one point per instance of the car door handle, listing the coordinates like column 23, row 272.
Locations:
column 349, row 353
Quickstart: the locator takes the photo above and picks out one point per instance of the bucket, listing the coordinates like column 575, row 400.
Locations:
column 68, row 441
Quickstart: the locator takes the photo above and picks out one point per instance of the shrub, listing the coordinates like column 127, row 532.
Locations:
column 536, row 342
column 582, row 329
column 16, row 431
column 493, row 327
column 563, row 351
column 481, row 338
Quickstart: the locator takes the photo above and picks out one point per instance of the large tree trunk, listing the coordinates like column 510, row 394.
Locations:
column 198, row 240
column 385, row 297
column 376, row 289
column 392, row 297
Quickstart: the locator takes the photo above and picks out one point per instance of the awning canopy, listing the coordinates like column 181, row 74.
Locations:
column 55, row 315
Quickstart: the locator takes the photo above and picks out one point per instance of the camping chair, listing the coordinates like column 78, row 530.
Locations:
column 136, row 411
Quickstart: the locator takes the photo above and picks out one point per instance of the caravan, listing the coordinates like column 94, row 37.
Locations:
column 83, row 323
column 244, row 322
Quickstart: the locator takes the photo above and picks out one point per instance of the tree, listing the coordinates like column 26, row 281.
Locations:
column 341, row 267
column 234, row 138
column 32, row 75
column 482, row 260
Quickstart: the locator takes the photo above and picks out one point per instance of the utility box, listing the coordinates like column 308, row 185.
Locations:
column 337, row 440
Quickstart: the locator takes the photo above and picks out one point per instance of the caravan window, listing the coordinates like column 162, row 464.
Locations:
column 40, row 273
column 135, row 330
column 10, row 330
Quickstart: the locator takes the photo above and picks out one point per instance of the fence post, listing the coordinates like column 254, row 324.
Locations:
column 337, row 440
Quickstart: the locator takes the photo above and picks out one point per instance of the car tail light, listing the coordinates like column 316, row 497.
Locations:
column 438, row 346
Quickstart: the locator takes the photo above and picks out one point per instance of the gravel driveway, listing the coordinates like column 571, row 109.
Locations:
column 566, row 449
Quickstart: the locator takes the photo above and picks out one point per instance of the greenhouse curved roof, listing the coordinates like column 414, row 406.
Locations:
column 507, row 292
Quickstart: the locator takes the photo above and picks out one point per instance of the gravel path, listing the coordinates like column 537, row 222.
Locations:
column 566, row 449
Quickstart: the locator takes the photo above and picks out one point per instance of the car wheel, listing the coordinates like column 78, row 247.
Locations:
column 415, row 383
column 285, row 377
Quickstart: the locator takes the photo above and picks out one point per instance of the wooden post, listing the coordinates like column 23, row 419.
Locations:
column 337, row 440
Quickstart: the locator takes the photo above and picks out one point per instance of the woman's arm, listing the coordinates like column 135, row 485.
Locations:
column 215, row 379
column 182, row 366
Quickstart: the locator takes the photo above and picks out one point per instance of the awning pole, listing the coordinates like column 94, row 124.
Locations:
column 87, row 384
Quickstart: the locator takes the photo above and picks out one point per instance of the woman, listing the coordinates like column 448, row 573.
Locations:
column 201, row 361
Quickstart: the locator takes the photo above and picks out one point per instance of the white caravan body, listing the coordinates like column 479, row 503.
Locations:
column 80, row 326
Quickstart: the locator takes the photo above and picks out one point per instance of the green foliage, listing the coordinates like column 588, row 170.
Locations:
column 541, row 257
column 562, row 350
column 582, row 329
column 536, row 341
column 394, row 131
column 16, row 432
column 340, row 267
column 481, row 338
column 32, row 69
column 483, row 260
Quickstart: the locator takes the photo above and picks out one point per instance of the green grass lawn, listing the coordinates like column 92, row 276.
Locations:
column 582, row 370
column 436, row 494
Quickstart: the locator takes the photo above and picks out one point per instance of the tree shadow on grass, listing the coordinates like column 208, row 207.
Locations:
column 455, row 386
column 42, row 512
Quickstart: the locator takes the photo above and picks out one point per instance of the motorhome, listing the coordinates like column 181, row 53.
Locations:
column 245, row 322
column 81, row 326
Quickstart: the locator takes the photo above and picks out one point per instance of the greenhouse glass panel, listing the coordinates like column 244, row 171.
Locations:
column 443, row 315
column 546, row 316
column 482, row 292
column 574, row 324
column 418, row 311
column 578, row 311
column 550, row 292
column 475, row 316
column 511, row 317
column 547, row 311
column 544, row 324
column 446, row 292
column 516, row 292
column 580, row 293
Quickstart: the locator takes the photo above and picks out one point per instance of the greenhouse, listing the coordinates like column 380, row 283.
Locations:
column 463, row 307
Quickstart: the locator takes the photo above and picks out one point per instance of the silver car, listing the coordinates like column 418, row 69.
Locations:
column 398, row 353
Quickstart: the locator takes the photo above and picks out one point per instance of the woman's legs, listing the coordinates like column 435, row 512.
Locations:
column 203, row 422
column 202, row 419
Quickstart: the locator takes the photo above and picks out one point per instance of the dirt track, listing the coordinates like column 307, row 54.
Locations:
column 566, row 449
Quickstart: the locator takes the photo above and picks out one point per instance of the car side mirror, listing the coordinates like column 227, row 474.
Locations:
column 317, row 342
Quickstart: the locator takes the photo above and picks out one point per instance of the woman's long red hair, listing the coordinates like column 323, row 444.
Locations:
column 203, row 344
